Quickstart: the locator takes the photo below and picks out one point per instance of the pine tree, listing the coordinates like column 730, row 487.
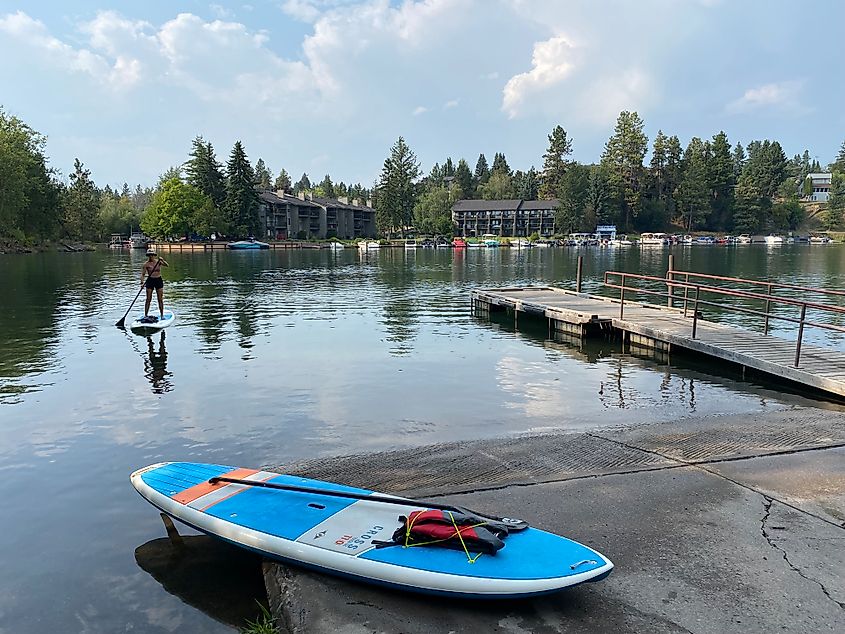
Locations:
column 326, row 187
column 572, row 196
column 282, row 182
column 526, row 185
column 482, row 171
column 241, row 203
column 596, row 200
column 303, row 184
column 833, row 213
column 204, row 172
column 748, row 210
column 657, row 166
column 555, row 164
column 622, row 162
column 839, row 164
column 81, row 204
column 693, row 192
column 738, row 160
column 463, row 179
column 448, row 167
column 720, row 177
column 500, row 164
column 263, row 177
column 396, row 193
column 674, row 173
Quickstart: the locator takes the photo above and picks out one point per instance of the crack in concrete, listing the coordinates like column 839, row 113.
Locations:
column 767, row 506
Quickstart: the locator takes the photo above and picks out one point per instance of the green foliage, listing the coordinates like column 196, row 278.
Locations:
column 433, row 212
column 203, row 171
column 177, row 209
column 807, row 187
column 282, row 182
column 622, row 162
column 482, row 171
column 325, row 188
column 302, row 185
column 500, row 164
column 832, row 215
column 693, row 190
column 118, row 213
column 498, row 187
column 555, row 164
column 526, row 185
column 240, row 206
column 29, row 196
column 264, row 624
column 573, row 190
column 839, row 164
column 750, row 209
column 263, row 177
column 788, row 214
column 81, row 205
column 720, row 179
column 397, row 193
column 463, row 179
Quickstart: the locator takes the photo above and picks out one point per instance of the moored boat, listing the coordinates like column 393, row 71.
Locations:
column 246, row 245
column 650, row 239
column 459, row 243
column 410, row 244
column 138, row 240
column 770, row 239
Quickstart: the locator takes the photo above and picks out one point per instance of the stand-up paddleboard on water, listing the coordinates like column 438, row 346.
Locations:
column 152, row 322
column 408, row 544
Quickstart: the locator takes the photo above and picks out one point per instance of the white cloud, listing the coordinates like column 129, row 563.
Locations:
column 452, row 103
column 220, row 11
column 604, row 97
column 419, row 110
column 783, row 95
column 302, row 10
column 552, row 62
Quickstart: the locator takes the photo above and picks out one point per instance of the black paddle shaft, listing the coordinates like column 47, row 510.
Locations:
column 506, row 522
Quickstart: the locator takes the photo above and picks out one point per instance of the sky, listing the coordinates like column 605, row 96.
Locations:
column 327, row 86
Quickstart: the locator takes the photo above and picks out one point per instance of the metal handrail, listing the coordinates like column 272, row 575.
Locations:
column 770, row 285
column 672, row 284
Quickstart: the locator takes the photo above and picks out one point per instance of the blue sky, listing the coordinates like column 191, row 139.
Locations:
column 326, row 86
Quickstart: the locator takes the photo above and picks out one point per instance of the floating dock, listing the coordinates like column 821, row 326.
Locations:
column 664, row 329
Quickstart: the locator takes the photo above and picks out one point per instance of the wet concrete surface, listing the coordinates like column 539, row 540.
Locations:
column 747, row 539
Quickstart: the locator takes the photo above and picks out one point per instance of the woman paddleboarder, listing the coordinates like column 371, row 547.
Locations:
column 152, row 271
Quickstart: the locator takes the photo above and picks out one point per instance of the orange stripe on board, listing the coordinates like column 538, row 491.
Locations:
column 238, row 490
column 198, row 490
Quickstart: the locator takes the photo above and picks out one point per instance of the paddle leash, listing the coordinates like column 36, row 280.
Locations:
column 508, row 523
column 122, row 322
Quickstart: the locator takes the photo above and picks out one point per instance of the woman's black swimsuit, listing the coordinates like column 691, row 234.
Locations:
column 154, row 282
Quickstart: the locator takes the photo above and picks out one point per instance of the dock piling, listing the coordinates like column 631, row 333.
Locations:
column 578, row 273
column 800, row 334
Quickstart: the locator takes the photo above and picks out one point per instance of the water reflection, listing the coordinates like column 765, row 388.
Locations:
column 155, row 365
column 221, row 580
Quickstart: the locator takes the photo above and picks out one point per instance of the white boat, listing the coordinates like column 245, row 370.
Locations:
column 336, row 246
column 820, row 240
column 686, row 239
column 368, row 245
column 138, row 241
column 474, row 245
column 523, row 244
column 410, row 244
column 621, row 242
column 743, row 238
column 652, row 239
column 247, row 245
column 774, row 240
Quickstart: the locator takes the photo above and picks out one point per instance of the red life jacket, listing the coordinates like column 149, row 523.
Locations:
column 449, row 529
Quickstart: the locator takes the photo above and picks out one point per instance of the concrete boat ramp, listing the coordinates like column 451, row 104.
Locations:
column 716, row 525
column 666, row 329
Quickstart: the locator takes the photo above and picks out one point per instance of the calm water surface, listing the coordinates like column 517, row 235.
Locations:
column 285, row 355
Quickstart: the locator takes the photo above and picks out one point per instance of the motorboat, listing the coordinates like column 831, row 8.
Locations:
column 542, row 244
column 475, row 245
column 138, row 240
column 428, row 243
column 246, row 245
column 459, row 243
column 522, row 244
column 621, row 242
column 705, row 240
column 442, row 243
column 686, row 240
column 743, row 238
column 410, row 244
column 774, row 239
column 820, row 240
column 652, row 239
column 368, row 245
column 336, row 246
column 491, row 244
column 118, row 242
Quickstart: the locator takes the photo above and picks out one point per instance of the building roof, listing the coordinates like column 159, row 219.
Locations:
column 503, row 205
column 334, row 202
column 539, row 204
column 486, row 205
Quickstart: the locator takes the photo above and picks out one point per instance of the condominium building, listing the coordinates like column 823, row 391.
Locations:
column 505, row 217
column 283, row 216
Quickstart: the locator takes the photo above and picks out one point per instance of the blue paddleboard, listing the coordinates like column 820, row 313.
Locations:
column 346, row 537
column 150, row 326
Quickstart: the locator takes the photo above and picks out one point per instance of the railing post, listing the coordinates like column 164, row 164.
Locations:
column 670, row 277
column 686, row 293
column 578, row 272
column 768, row 302
column 695, row 312
column 622, row 297
column 800, row 334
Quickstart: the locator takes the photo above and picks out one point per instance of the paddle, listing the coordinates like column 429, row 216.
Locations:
column 506, row 522
column 121, row 323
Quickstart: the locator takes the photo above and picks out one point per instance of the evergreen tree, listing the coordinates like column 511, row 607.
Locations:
column 555, row 164
column 832, row 215
column 482, row 171
column 839, row 164
column 596, row 200
column 282, row 182
column 326, row 188
column 498, row 187
column 674, row 174
column 263, row 177
column 435, row 176
column 749, row 209
column 738, row 160
column 241, row 203
column 622, row 162
column 572, row 197
column 526, row 185
column 204, row 172
column 720, row 177
column 693, row 198
column 303, row 184
column 448, row 167
column 657, row 166
column 396, row 191
column 463, row 179
column 500, row 164
column 169, row 174
column 81, row 204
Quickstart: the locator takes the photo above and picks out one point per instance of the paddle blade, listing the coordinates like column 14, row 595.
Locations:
column 121, row 323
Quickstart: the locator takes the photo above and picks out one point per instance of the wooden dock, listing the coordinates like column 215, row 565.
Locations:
column 664, row 329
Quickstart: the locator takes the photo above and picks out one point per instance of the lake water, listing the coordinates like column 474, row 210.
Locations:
column 284, row 355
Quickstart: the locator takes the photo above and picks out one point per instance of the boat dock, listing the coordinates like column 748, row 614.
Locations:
column 679, row 323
